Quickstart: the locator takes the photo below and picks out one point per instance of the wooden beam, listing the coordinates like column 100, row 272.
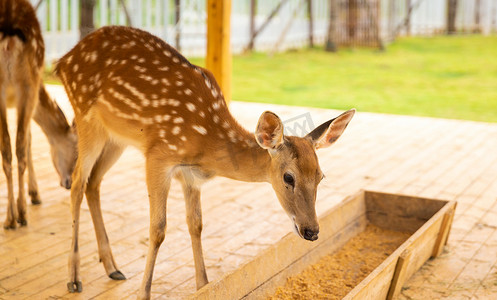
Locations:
column 218, row 59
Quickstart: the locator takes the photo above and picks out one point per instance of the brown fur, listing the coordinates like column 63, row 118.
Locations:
column 21, row 55
column 128, row 87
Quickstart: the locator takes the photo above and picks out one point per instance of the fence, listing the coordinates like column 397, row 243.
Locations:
column 289, row 28
column 429, row 17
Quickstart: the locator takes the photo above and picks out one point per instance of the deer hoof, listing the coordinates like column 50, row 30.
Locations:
column 75, row 287
column 117, row 275
column 22, row 222
column 35, row 198
column 9, row 225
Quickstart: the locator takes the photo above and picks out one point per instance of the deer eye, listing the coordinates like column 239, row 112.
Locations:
column 288, row 179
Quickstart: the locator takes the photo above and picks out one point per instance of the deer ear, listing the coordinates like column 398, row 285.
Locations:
column 269, row 131
column 327, row 133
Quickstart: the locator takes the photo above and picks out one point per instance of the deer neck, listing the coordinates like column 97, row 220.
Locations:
column 238, row 156
column 50, row 118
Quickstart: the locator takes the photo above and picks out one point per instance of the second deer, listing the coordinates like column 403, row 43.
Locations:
column 128, row 87
column 22, row 58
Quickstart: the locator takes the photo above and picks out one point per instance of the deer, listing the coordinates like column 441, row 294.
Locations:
column 61, row 137
column 22, row 56
column 129, row 87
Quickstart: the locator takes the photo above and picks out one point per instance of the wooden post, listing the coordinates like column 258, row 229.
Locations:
column 408, row 17
column 331, row 43
column 218, row 59
column 311, row 23
column 477, row 27
column 253, row 5
column 352, row 17
column 86, row 24
column 177, row 16
column 451, row 16
column 391, row 20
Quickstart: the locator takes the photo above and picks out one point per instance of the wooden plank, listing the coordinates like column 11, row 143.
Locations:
column 444, row 231
column 398, row 212
column 218, row 59
column 422, row 242
column 399, row 276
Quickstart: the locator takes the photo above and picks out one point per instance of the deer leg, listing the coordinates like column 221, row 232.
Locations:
column 11, row 218
column 32, row 184
column 25, row 107
column 90, row 148
column 194, row 221
column 109, row 156
column 158, row 183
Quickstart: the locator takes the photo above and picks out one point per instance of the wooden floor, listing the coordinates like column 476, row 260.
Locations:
column 447, row 159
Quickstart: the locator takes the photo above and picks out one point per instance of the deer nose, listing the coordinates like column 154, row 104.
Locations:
column 66, row 183
column 310, row 235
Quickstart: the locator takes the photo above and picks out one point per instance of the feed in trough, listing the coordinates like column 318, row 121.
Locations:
column 338, row 273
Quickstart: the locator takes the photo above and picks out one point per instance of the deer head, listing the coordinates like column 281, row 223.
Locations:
column 61, row 136
column 64, row 154
column 294, row 168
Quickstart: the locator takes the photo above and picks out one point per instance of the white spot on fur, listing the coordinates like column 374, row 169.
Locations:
column 191, row 107
column 93, row 56
column 178, row 120
column 173, row 102
column 214, row 93
column 188, row 92
column 145, row 102
column 145, row 77
column 176, row 130
column 140, row 69
column 200, row 129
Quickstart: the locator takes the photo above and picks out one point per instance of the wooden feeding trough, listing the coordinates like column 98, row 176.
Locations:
column 427, row 221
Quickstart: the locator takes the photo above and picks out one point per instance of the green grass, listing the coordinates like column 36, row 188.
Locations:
column 446, row 77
